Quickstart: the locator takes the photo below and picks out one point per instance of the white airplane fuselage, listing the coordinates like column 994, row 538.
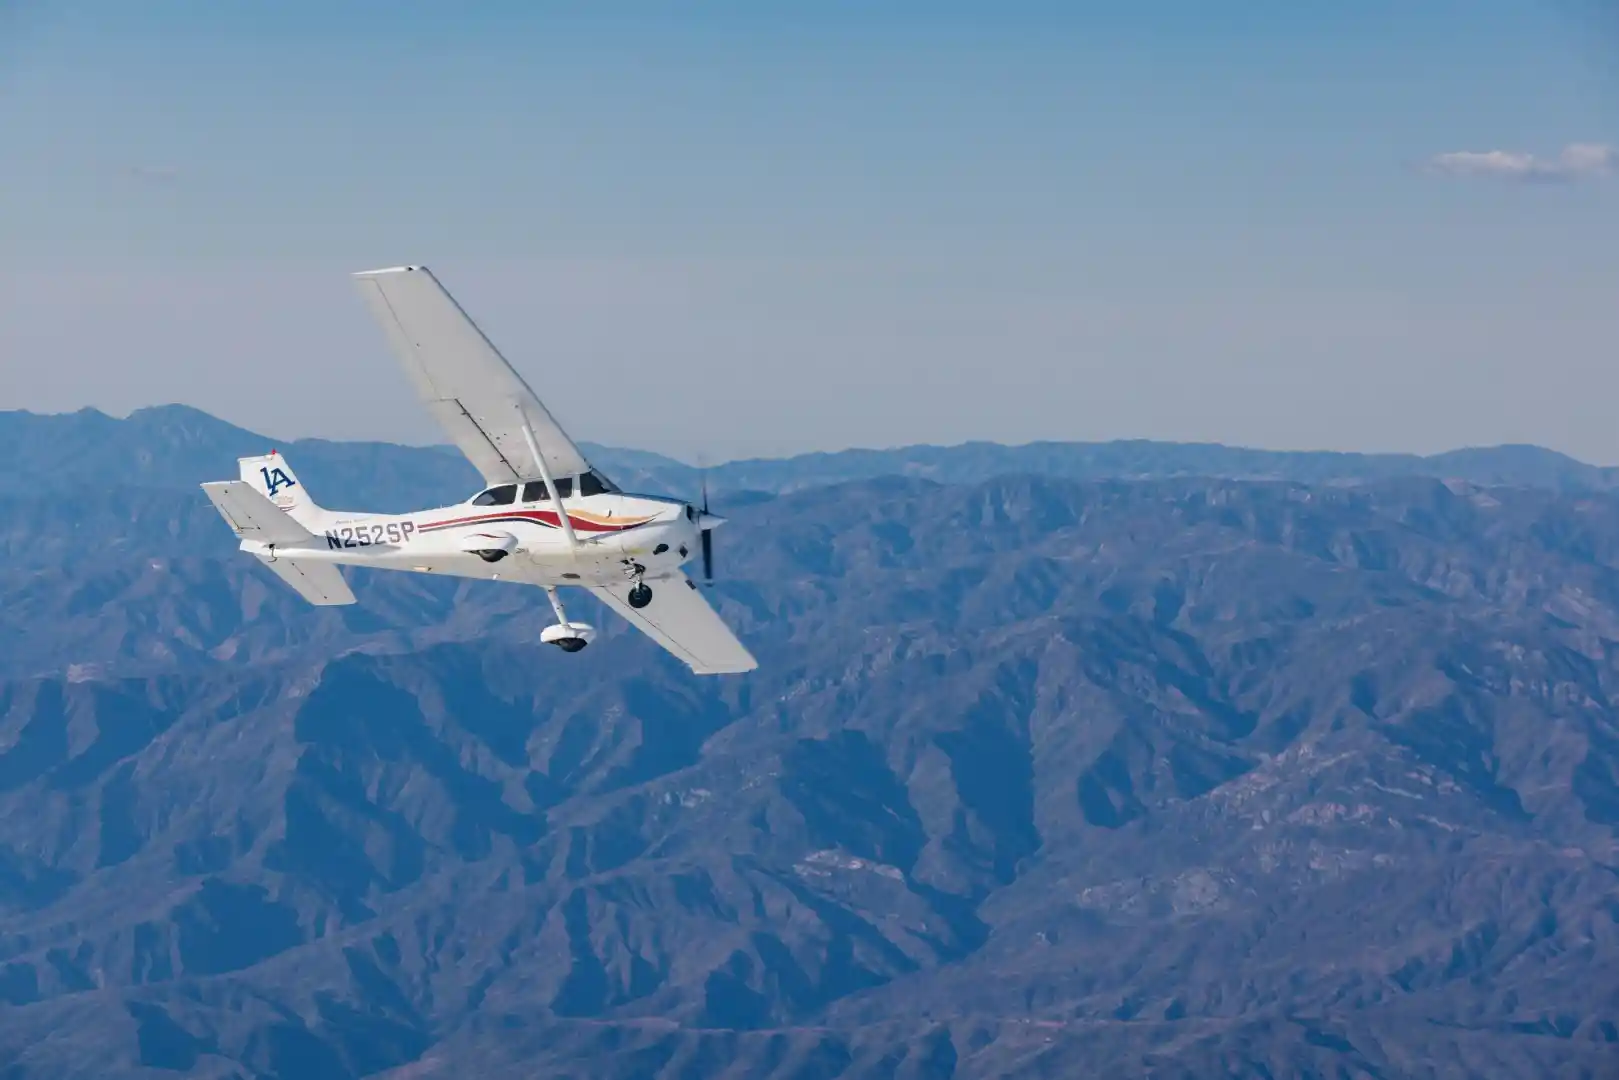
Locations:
column 615, row 537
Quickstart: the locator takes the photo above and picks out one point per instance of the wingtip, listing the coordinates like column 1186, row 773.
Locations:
column 733, row 669
column 387, row 270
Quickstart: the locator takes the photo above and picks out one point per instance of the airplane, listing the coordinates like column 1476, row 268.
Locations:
column 545, row 517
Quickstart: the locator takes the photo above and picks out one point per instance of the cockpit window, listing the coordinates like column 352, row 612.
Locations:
column 534, row 490
column 497, row 496
column 594, row 483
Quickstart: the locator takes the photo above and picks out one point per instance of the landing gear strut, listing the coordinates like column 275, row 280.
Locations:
column 640, row 592
column 568, row 636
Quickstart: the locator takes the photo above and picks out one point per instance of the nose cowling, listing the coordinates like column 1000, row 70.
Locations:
column 669, row 532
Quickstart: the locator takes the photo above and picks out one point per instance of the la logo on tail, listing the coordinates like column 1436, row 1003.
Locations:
column 275, row 479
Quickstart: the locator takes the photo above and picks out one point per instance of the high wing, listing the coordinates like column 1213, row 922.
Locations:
column 679, row 619
column 467, row 385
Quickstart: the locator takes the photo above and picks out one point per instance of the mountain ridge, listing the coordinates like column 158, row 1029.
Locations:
column 1039, row 775
column 177, row 446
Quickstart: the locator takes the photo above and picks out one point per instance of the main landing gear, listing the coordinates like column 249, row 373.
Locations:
column 568, row 636
column 640, row 593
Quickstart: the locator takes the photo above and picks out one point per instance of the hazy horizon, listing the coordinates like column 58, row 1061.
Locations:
column 440, row 443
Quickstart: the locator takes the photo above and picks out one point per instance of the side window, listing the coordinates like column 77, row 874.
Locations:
column 594, row 483
column 534, row 490
column 497, row 496
column 564, row 487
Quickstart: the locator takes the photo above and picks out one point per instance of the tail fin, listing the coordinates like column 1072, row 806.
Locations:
column 272, row 477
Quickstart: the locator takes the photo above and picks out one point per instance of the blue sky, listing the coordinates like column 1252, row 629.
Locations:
column 737, row 228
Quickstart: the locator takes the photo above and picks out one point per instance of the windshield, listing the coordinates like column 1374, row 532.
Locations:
column 496, row 496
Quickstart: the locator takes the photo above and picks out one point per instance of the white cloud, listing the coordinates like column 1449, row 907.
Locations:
column 1578, row 161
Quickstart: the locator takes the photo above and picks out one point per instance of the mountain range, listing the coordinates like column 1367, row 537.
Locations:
column 1125, row 759
column 177, row 447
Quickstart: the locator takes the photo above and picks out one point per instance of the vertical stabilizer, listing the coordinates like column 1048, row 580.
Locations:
column 273, row 478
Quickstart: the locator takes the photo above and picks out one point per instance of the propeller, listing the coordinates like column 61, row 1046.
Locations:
column 707, row 534
column 706, row 523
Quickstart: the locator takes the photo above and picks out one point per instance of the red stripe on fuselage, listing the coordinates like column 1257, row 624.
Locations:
column 548, row 518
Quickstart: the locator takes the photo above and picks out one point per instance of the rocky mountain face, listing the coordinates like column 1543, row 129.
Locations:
column 1168, row 775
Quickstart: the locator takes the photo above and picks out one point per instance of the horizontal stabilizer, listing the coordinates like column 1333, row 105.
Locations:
column 252, row 516
column 320, row 583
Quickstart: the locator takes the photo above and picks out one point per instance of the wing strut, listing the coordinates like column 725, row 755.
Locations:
column 545, row 472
